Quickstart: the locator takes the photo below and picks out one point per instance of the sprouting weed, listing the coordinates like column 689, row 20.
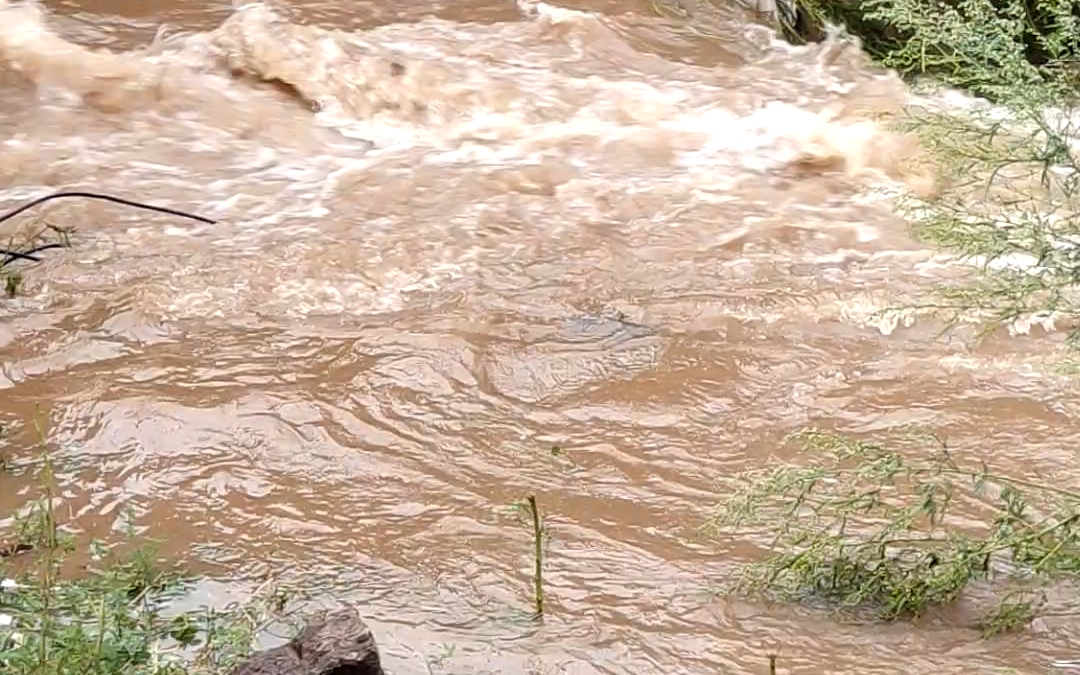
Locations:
column 13, row 282
column 31, row 246
column 446, row 652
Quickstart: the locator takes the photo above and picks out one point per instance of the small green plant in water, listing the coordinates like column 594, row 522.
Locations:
column 532, row 511
column 5, row 462
column 12, row 283
column 862, row 526
column 12, row 279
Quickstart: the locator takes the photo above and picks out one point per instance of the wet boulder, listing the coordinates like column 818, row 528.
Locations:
column 338, row 644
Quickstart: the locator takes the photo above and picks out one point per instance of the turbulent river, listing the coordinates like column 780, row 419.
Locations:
column 450, row 236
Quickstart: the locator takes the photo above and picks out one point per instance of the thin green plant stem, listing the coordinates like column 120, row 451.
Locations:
column 47, row 522
column 102, row 625
column 538, row 555
column 989, row 477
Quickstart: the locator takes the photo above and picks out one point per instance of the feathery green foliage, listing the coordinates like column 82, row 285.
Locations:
column 863, row 526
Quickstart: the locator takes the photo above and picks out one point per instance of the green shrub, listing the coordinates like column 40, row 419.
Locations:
column 1005, row 50
column 1011, row 180
column 990, row 47
column 865, row 527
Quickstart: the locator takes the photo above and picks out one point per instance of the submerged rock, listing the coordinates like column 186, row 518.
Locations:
column 600, row 327
column 339, row 644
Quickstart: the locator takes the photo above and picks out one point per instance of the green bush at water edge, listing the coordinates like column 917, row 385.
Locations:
column 113, row 621
column 1009, row 170
column 865, row 527
column 113, row 618
column 994, row 48
column 862, row 526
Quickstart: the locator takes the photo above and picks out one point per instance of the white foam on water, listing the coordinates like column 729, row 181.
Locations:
column 424, row 99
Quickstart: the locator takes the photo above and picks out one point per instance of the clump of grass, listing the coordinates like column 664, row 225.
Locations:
column 864, row 527
column 113, row 619
column 12, row 283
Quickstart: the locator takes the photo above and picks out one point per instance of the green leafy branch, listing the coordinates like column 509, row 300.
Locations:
column 867, row 527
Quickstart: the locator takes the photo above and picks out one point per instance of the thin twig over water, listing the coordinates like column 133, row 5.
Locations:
column 11, row 255
column 106, row 198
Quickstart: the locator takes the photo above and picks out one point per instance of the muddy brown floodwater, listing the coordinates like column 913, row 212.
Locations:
column 450, row 236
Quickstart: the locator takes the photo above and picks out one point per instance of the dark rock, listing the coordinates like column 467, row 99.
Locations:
column 600, row 327
column 338, row 644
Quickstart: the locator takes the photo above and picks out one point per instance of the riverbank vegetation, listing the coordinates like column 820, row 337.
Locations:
column 107, row 611
column 66, row 609
column 1007, row 160
column 894, row 531
column 899, row 530
column 999, row 49
column 904, row 530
